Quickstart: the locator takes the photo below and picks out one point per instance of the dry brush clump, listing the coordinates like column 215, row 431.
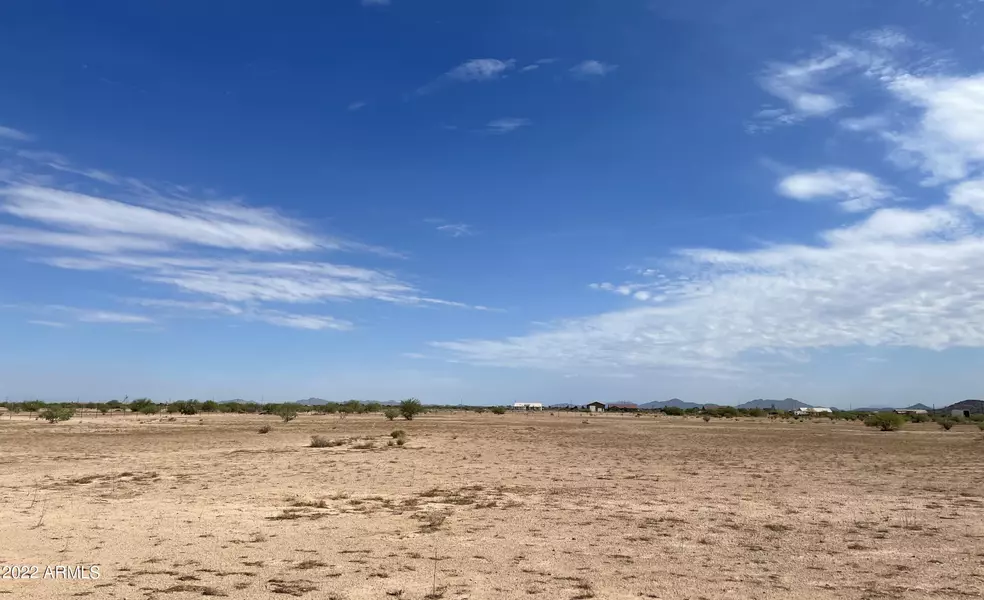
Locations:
column 320, row 441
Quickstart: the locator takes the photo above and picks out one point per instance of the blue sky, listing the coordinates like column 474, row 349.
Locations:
column 554, row 201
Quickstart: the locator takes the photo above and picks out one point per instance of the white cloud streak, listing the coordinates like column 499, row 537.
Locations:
column 15, row 134
column 224, row 259
column 591, row 69
column 217, row 225
column 855, row 190
column 475, row 70
column 456, row 229
column 506, row 125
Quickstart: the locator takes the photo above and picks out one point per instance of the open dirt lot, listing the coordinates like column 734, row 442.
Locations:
column 490, row 507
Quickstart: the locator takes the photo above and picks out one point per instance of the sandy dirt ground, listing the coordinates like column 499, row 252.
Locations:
column 482, row 506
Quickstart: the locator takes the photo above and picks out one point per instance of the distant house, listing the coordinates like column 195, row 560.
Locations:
column 812, row 410
column 956, row 412
column 528, row 406
column 596, row 407
column 623, row 406
column 911, row 411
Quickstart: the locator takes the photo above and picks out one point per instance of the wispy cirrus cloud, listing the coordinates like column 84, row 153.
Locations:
column 537, row 64
column 456, row 229
column 375, row 2
column 357, row 105
column 506, row 125
column 44, row 323
column 452, row 229
column 474, row 70
column 204, row 256
column 893, row 277
column 591, row 69
column 16, row 135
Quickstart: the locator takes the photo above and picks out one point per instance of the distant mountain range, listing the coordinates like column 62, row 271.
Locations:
column 322, row 402
column 674, row 402
column 974, row 406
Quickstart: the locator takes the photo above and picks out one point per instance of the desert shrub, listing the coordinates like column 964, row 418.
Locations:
column 371, row 407
column 707, row 418
column 266, row 429
column 391, row 413
column 919, row 418
column 185, row 407
column 400, row 441
column 756, row 412
column 884, row 421
column 674, row 411
column 498, row 410
column 398, row 433
column 57, row 413
column 351, row 407
column 410, row 408
column 364, row 445
column 210, row 406
column 946, row 424
column 148, row 409
column 286, row 412
column 320, row 441
column 141, row 405
column 980, row 425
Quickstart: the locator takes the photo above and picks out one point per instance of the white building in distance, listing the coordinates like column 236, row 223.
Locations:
column 528, row 406
column 813, row 410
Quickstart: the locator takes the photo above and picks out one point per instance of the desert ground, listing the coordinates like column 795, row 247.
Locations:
column 492, row 506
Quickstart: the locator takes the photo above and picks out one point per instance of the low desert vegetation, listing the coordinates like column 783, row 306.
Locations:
column 946, row 423
column 410, row 408
column 265, row 429
column 286, row 412
column 59, row 413
column 498, row 410
column 885, row 421
column 391, row 413
column 320, row 441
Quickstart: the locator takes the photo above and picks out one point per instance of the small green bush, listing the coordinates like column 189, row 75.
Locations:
column 947, row 424
column 286, row 412
column 884, row 421
column 58, row 413
column 673, row 411
column 398, row 433
column 707, row 418
column 498, row 410
column 391, row 413
column 919, row 418
column 410, row 408
column 266, row 429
